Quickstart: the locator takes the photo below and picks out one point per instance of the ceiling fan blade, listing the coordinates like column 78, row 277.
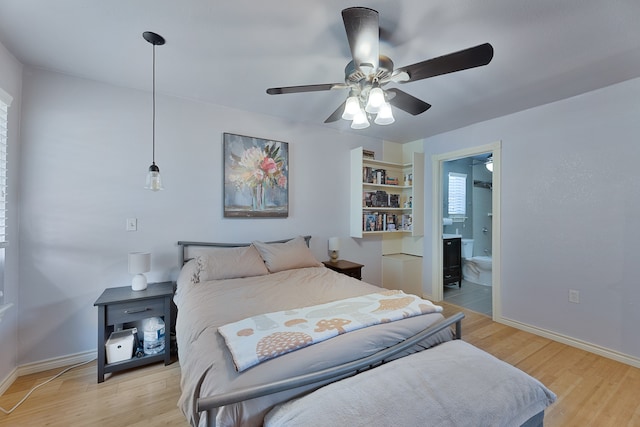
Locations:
column 462, row 60
column 406, row 102
column 305, row 88
column 336, row 115
column 363, row 33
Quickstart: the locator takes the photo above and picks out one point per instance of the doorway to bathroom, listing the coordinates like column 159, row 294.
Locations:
column 466, row 209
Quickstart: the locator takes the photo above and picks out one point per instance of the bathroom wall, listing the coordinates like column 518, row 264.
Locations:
column 481, row 219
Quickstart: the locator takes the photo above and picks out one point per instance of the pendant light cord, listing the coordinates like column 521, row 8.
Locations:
column 153, row 121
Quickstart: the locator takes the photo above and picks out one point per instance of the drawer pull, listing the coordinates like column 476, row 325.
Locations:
column 138, row 310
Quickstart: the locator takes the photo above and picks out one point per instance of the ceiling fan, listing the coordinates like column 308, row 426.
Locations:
column 369, row 72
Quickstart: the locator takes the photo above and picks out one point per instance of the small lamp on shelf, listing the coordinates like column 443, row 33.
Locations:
column 139, row 263
column 334, row 247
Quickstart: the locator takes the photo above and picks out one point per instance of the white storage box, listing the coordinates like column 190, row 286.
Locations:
column 120, row 346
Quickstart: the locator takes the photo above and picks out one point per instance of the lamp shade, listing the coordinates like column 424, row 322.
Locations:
column 360, row 121
column 375, row 101
column 139, row 263
column 351, row 108
column 334, row 243
column 385, row 115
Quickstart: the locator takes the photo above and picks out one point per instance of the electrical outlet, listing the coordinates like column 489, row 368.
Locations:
column 132, row 224
column 574, row 296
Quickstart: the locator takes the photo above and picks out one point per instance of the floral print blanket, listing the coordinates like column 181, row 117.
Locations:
column 259, row 338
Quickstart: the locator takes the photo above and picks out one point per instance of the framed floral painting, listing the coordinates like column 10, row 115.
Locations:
column 256, row 177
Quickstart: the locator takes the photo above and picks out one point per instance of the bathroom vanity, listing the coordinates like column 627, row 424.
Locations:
column 451, row 259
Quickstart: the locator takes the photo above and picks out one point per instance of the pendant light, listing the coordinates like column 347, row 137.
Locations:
column 154, row 182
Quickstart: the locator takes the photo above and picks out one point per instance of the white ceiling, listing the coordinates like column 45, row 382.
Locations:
column 229, row 52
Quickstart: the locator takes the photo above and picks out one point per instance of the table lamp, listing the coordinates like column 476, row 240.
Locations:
column 139, row 263
column 334, row 247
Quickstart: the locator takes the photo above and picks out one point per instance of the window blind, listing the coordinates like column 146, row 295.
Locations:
column 5, row 101
column 457, row 194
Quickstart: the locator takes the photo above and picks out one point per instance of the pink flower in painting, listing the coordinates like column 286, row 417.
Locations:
column 259, row 166
column 269, row 165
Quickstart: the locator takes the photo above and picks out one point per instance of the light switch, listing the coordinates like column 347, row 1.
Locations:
column 132, row 224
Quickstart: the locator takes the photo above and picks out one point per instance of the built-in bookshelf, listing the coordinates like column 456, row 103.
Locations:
column 386, row 197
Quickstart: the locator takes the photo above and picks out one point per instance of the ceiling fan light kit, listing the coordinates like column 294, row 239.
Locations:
column 369, row 72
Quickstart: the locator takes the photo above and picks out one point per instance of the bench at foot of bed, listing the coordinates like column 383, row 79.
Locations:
column 453, row 384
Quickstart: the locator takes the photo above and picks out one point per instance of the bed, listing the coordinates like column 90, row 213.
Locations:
column 222, row 285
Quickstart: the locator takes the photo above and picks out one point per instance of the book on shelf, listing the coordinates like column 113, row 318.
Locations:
column 373, row 176
column 380, row 199
column 368, row 154
column 369, row 222
column 380, row 221
column 391, row 181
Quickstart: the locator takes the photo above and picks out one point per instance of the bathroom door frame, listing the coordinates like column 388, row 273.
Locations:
column 437, row 161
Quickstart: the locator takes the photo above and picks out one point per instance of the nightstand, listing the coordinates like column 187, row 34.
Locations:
column 118, row 306
column 343, row 266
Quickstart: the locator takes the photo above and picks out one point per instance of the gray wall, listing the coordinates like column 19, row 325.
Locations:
column 86, row 150
column 570, row 207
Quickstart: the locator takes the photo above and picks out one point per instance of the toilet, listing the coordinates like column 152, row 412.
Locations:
column 475, row 269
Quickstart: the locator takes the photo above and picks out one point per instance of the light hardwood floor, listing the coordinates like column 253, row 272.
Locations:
column 592, row 390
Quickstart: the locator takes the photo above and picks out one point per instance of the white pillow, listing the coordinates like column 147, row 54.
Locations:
column 286, row 256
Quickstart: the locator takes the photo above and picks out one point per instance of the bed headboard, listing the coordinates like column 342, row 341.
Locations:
column 184, row 246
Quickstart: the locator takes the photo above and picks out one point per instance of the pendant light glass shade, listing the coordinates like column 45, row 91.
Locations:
column 385, row 115
column 154, row 182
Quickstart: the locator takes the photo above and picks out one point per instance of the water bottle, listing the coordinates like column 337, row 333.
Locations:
column 153, row 335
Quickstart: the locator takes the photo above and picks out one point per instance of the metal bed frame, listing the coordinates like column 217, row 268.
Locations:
column 208, row 405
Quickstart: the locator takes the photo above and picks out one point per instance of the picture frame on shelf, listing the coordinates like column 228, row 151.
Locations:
column 256, row 177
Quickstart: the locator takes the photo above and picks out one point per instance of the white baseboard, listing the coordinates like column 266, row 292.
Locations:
column 6, row 383
column 573, row 342
column 58, row 362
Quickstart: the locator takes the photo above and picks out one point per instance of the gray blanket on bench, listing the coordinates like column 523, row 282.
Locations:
column 454, row 384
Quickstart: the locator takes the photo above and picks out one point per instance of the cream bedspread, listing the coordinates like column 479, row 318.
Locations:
column 207, row 366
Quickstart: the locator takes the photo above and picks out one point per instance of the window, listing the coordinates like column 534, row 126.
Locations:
column 457, row 194
column 5, row 101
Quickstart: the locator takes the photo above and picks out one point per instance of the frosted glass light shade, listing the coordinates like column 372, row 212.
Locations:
column 385, row 115
column 360, row 121
column 489, row 164
column 139, row 263
column 375, row 101
column 351, row 108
